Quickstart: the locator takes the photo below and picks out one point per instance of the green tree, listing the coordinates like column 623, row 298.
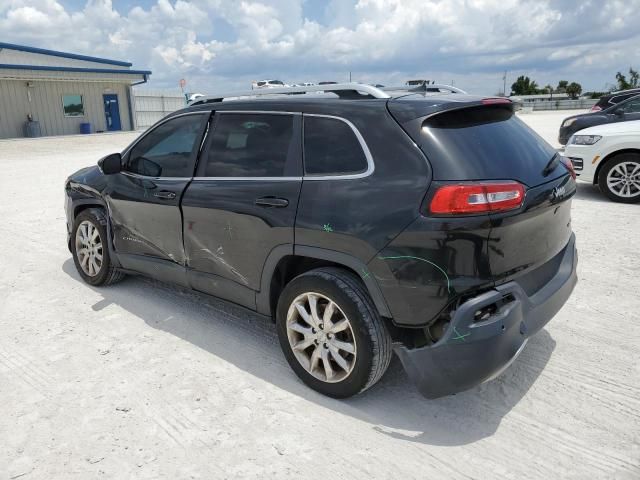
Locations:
column 633, row 78
column 524, row 86
column 549, row 89
column 622, row 81
column 574, row 90
column 562, row 86
column 633, row 82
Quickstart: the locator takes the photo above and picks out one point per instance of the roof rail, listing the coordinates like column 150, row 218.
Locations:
column 348, row 91
column 425, row 87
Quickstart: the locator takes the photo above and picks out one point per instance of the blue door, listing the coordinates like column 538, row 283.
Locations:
column 112, row 112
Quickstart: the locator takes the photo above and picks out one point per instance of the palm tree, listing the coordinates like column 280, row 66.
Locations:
column 549, row 89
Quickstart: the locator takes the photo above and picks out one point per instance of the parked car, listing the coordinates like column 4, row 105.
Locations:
column 438, row 227
column 268, row 84
column 609, row 156
column 614, row 98
column 193, row 97
column 624, row 111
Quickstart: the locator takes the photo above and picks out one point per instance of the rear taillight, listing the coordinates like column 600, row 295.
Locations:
column 468, row 198
column 569, row 164
column 596, row 108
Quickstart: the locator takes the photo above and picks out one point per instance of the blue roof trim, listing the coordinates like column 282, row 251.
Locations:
column 74, row 69
column 44, row 51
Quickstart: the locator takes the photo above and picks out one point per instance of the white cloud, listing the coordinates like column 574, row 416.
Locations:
column 470, row 41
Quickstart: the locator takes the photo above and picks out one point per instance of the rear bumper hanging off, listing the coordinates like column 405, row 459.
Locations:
column 471, row 351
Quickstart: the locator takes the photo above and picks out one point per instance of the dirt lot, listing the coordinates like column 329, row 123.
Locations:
column 143, row 380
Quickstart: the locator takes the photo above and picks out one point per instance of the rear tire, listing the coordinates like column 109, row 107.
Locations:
column 342, row 346
column 619, row 178
column 90, row 249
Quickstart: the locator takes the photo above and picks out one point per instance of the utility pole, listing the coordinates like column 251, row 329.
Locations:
column 349, row 77
column 504, row 81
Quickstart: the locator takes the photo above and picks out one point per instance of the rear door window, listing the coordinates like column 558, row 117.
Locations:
column 251, row 145
column 331, row 147
column 632, row 106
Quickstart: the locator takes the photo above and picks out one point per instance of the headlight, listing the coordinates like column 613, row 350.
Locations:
column 568, row 122
column 584, row 139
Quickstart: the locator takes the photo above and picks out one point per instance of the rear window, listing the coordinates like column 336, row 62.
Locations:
column 249, row 145
column 331, row 148
column 484, row 143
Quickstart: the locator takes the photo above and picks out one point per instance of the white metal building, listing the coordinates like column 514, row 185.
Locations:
column 45, row 92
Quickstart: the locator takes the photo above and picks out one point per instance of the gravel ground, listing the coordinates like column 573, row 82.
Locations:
column 144, row 380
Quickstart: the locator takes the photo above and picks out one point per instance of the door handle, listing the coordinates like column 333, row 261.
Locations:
column 272, row 202
column 165, row 195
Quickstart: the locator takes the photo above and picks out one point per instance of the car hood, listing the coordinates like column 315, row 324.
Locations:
column 588, row 118
column 619, row 128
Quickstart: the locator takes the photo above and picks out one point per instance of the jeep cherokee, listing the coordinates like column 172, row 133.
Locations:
column 434, row 226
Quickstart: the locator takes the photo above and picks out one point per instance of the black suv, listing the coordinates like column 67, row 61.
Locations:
column 623, row 111
column 614, row 98
column 437, row 227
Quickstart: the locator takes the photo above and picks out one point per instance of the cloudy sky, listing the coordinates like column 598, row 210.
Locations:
column 219, row 44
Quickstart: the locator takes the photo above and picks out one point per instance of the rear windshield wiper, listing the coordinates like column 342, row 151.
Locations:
column 551, row 166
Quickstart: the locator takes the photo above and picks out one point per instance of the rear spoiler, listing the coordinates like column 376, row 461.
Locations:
column 411, row 107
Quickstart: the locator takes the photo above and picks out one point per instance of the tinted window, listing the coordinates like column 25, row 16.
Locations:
column 72, row 105
column 485, row 143
column 169, row 150
column 632, row 106
column 250, row 145
column 331, row 148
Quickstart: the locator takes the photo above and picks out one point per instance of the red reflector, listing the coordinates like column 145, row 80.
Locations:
column 477, row 198
column 569, row 164
column 493, row 101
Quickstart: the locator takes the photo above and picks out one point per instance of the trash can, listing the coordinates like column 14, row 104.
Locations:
column 85, row 128
column 32, row 129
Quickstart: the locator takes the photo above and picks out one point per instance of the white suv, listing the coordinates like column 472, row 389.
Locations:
column 609, row 156
column 268, row 84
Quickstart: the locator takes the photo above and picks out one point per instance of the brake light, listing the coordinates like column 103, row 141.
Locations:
column 487, row 197
column 569, row 164
column 495, row 100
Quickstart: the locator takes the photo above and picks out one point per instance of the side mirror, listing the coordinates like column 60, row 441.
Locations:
column 111, row 164
column 619, row 112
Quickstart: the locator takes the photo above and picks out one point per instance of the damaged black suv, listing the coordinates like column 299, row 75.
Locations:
column 364, row 222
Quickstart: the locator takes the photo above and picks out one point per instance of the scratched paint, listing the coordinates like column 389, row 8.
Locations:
column 460, row 336
column 398, row 257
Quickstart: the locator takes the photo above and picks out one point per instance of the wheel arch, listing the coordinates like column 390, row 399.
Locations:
column 609, row 157
column 84, row 204
column 79, row 205
column 286, row 262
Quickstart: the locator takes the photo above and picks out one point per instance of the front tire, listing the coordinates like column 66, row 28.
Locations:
column 331, row 333
column 90, row 249
column 619, row 178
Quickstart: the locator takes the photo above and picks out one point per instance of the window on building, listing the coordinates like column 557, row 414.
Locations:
column 250, row 145
column 331, row 148
column 72, row 105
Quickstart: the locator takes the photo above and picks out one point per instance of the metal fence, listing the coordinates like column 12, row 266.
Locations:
column 579, row 104
column 152, row 105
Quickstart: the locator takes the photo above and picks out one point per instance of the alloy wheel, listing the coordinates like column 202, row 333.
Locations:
column 89, row 248
column 624, row 179
column 321, row 337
